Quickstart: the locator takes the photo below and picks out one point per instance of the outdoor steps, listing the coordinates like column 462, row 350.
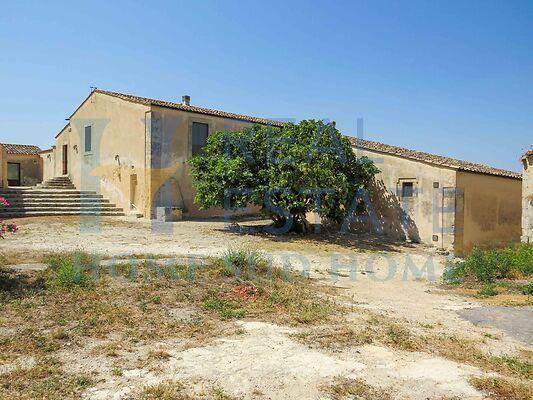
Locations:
column 55, row 197
column 57, row 183
column 46, row 213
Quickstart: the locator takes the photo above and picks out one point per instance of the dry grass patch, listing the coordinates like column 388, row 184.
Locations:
column 175, row 390
column 335, row 336
column 503, row 297
column 169, row 390
column 46, row 380
column 147, row 303
column 344, row 388
column 13, row 257
column 257, row 289
column 373, row 328
column 503, row 389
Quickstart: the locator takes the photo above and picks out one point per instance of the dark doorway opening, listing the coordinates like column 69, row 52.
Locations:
column 13, row 174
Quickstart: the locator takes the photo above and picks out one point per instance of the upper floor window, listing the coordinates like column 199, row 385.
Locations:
column 199, row 137
column 88, row 139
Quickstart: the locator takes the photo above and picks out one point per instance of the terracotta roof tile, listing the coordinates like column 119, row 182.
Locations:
column 26, row 149
column 365, row 144
column 432, row 158
column 200, row 110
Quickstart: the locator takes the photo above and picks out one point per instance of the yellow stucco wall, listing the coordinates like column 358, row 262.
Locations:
column 30, row 168
column 171, row 183
column 48, row 164
column 527, row 199
column 417, row 218
column 492, row 211
column 115, row 165
column 156, row 137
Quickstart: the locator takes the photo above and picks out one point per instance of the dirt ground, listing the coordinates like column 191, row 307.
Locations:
column 260, row 359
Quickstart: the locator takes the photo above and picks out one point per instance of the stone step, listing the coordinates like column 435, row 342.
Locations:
column 47, row 199
column 41, row 189
column 62, row 212
column 49, row 194
column 56, row 205
column 58, row 209
column 57, row 201
column 56, row 196
column 56, row 186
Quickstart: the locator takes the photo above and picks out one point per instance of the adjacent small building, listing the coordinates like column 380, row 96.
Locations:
column 527, row 197
column 20, row 165
column 448, row 203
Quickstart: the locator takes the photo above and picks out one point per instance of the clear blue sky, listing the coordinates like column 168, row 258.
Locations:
column 448, row 77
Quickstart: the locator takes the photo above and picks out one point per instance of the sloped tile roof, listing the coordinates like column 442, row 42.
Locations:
column 366, row 144
column 25, row 149
column 432, row 158
column 200, row 110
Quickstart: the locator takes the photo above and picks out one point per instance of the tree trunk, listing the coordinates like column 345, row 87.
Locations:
column 299, row 223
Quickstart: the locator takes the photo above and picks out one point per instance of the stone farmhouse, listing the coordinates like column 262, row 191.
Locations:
column 133, row 151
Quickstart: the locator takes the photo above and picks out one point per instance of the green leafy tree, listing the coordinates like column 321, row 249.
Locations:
column 289, row 171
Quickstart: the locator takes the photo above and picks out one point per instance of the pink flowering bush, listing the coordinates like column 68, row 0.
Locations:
column 5, row 228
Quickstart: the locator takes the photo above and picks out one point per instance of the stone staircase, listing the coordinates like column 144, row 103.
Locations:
column 57, row 196
column 60, row 182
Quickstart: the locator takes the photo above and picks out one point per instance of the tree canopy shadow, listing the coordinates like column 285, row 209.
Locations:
column 384, row 214
column 353, row 240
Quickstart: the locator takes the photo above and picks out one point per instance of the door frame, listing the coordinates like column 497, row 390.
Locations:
column 448, row 199
column 14, row 182
column 64, row 159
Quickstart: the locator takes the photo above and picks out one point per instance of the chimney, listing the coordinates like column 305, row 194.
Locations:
column 186, row 100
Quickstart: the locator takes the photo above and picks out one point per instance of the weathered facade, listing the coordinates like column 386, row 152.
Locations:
column 137, row 150
column 134, row 151
column 20, row 165
column 527, row 197
column 452, row 204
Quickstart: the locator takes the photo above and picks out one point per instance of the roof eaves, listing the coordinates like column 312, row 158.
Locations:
column 21, row 149
column 432, row 159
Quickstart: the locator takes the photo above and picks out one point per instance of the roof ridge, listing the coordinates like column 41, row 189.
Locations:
column 184, row 107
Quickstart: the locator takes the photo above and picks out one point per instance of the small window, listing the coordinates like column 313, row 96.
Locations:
column 407, row 189
column 88, row 139
column 200, row 132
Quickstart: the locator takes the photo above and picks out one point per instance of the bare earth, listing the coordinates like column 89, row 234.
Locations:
column 263, row 360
